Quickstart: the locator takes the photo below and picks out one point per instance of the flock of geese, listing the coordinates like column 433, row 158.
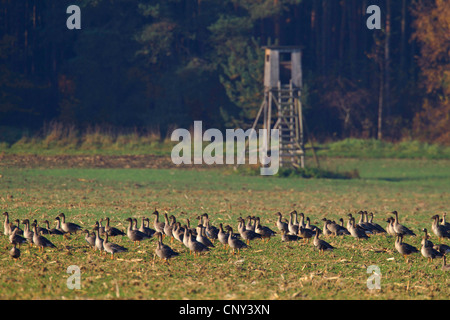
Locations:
column 201, row 239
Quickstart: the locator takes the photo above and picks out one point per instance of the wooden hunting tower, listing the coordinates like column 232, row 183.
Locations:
column 281, row 107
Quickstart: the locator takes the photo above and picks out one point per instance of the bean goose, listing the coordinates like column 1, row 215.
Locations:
column 439, row 230
column 292, row 227
column 445, row 223
column 135, row 235
column 164, row 251
column 98, row 241
column 376, row 227
column 14, row 238
column 201, row 237
column 57, row 230
column 6, row 225
column 285, row 237
column 429, row 252
column 27, row 233
column 68, row 227
column 247, row 235
column 113, row 231
column 265, row 232
column 178, row 232
column 211, row 231
column 222, row 236
column 90, row 238
column 390, row 226
column 356, row 231
column 112, row 248
column 41, row 230
column 400, row 229
column 304, row 233
column 14, row 252
column 194, row 246
column 320, row 244
column 403, row 248
column 168, row 227
column 281, row 225
column 233, row 242
column 159, row 226
column 40, row 241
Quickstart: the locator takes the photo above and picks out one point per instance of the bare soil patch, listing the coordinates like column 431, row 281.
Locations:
column 87, row 161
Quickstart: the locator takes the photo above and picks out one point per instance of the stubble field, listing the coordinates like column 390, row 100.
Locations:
column 417, row 189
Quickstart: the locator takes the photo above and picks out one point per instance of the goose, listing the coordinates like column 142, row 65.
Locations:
column 202, row 238
column 14, row 252
column 442, row 248
column 344, row 230
column 68, row 227
column 247, row 235
column 429, row 252
column 14, row 238
column 57, row 230
column 143, row 228
column 159, row 226
column 403, row 248
column 334, row 228
column 390, row 226
column 425, row 240
column 168, row 227
column 149, row 231
column 311, row 226
column 134, row 225
column 265, row 232
column 376, row 227
column 193, row 231
column 250, row 226
column 135, row 235
column 186, row 236
column 6, row 226
column 196, row 247
column 439, row 230
column 444, row 223
column 280, row 224
column 178, row 232
column 98, row 241
column 211, row 231
column 112, row 231
column 101, row 228
column 41, row 230
column 292, row 227
column 321, row 244
column 326, row 227
column 302, row 220
column 27, row 233
column 163, row 251
column 17, row 226
column 285, row 237
column 112, row 248
column 363, row 224
column 304, row 233
column 222, row 236
column 90, row 238
column 234, row 243
column 356, row 231
column 400, row 229
column 40, row 241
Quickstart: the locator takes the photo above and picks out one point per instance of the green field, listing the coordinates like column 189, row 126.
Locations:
column 417, row 189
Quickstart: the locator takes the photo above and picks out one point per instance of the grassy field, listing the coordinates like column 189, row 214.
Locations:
column 417, row 189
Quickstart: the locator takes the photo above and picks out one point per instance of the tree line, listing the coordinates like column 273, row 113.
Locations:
column 165, row 63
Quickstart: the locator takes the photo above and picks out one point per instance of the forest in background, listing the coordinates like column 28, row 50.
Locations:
column 160, row 64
